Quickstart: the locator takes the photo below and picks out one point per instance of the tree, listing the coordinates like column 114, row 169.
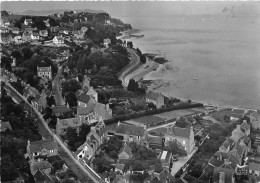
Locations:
column 151, row 105
column 71, row 136
column 130, row 44
column 6, row 63
column 182, row 122
column 71, row 85
column 176, row 148
column 196, row 170
column 27, row 53
column 71, row 99
column 143, row 59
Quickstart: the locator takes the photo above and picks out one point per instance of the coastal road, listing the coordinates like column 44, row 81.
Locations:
column 134, row 63
column 56, row 88
column 85, row 174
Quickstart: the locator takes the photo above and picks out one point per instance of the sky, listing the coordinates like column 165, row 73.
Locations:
column 139, row 8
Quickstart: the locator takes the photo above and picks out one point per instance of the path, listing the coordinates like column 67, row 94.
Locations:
column 56, row 88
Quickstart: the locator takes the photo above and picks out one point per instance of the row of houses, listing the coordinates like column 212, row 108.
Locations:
column 231, row 158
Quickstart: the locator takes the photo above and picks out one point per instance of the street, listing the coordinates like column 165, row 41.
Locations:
column 85, row 175
column 135, row 61
column 56, row 88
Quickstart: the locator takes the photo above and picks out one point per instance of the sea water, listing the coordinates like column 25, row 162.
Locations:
column 218, row 56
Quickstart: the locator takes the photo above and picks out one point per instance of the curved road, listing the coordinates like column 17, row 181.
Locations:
column 85, row 174
column 135, row 61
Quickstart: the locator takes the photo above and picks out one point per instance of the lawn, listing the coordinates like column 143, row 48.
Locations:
column 219, row 115
column 149, row 119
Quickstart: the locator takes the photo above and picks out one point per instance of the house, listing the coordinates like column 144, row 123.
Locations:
column 237, row 114
column 27, row 21
column 224, row 175
column 35, row 36
column 257, row 143
column 40, row 102
column 27, row 29
column 102, row 110
column 237, row 134
column 41, row 177
column 59, row 162
column 26, row 37
column 15, row 30
column 163, row 177
column 185, row 136
column 155, row 98
column 227, row 145
column 107, row 42
column 18, row 40
column 91, row 92
column 42, row 148
column 44, row 72
column 255, row 119
column 7, row 39
column 47, row 22
column 4, row 30
column 43, row 166
column 5, row 126
column 85, row 100
column 43, row 33
column 58, row 40
column 125, row 154
column 59, row 110
column 85, row 151
column 93, row 141
column 166, row 158
column 156, row 143
column 63, row 124
column 128, row 133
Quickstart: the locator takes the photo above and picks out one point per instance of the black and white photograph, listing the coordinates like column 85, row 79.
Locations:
column 130, row 91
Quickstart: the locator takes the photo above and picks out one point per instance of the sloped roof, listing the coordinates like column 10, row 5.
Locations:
column 181, row 132
column 44, row 144
column 130, row 129
column 60, row 109
column 155, row 140
column 55, row 158
column 227, row 174
column 127, row 149
column 227, row 142
column 39, row 176
column 41, row 165
column 83, row 98
column 70, row 122
column 237, row 134
column 44, row 69
column 85, row 110
column 152, row 95
column 222, row 154
column 164, row 175
column 215, row 162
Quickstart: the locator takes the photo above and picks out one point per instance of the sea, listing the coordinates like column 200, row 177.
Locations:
column 217, row 55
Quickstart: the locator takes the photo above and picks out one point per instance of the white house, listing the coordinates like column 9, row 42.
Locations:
column 35, row 36
column 27, row 21
column 58, row 40
column 18, row 39
column 107, row 42
column 44, row 72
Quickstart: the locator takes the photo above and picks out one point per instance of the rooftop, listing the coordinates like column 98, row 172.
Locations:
column 181, row 132
column 43, row 69
column 130, row 129
column 60, row 109
column 44, row 144
column 41, row 165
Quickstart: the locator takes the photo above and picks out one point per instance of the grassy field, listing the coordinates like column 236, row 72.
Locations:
column 177, row 113
column 219, row 115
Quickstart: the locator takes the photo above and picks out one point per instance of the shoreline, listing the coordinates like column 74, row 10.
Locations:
column 153, row 66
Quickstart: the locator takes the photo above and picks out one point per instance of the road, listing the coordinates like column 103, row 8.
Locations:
column 56, row 88
column 135, row 61
column 85, row 175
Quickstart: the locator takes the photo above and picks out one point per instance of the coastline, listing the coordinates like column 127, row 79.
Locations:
column 143, row 71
